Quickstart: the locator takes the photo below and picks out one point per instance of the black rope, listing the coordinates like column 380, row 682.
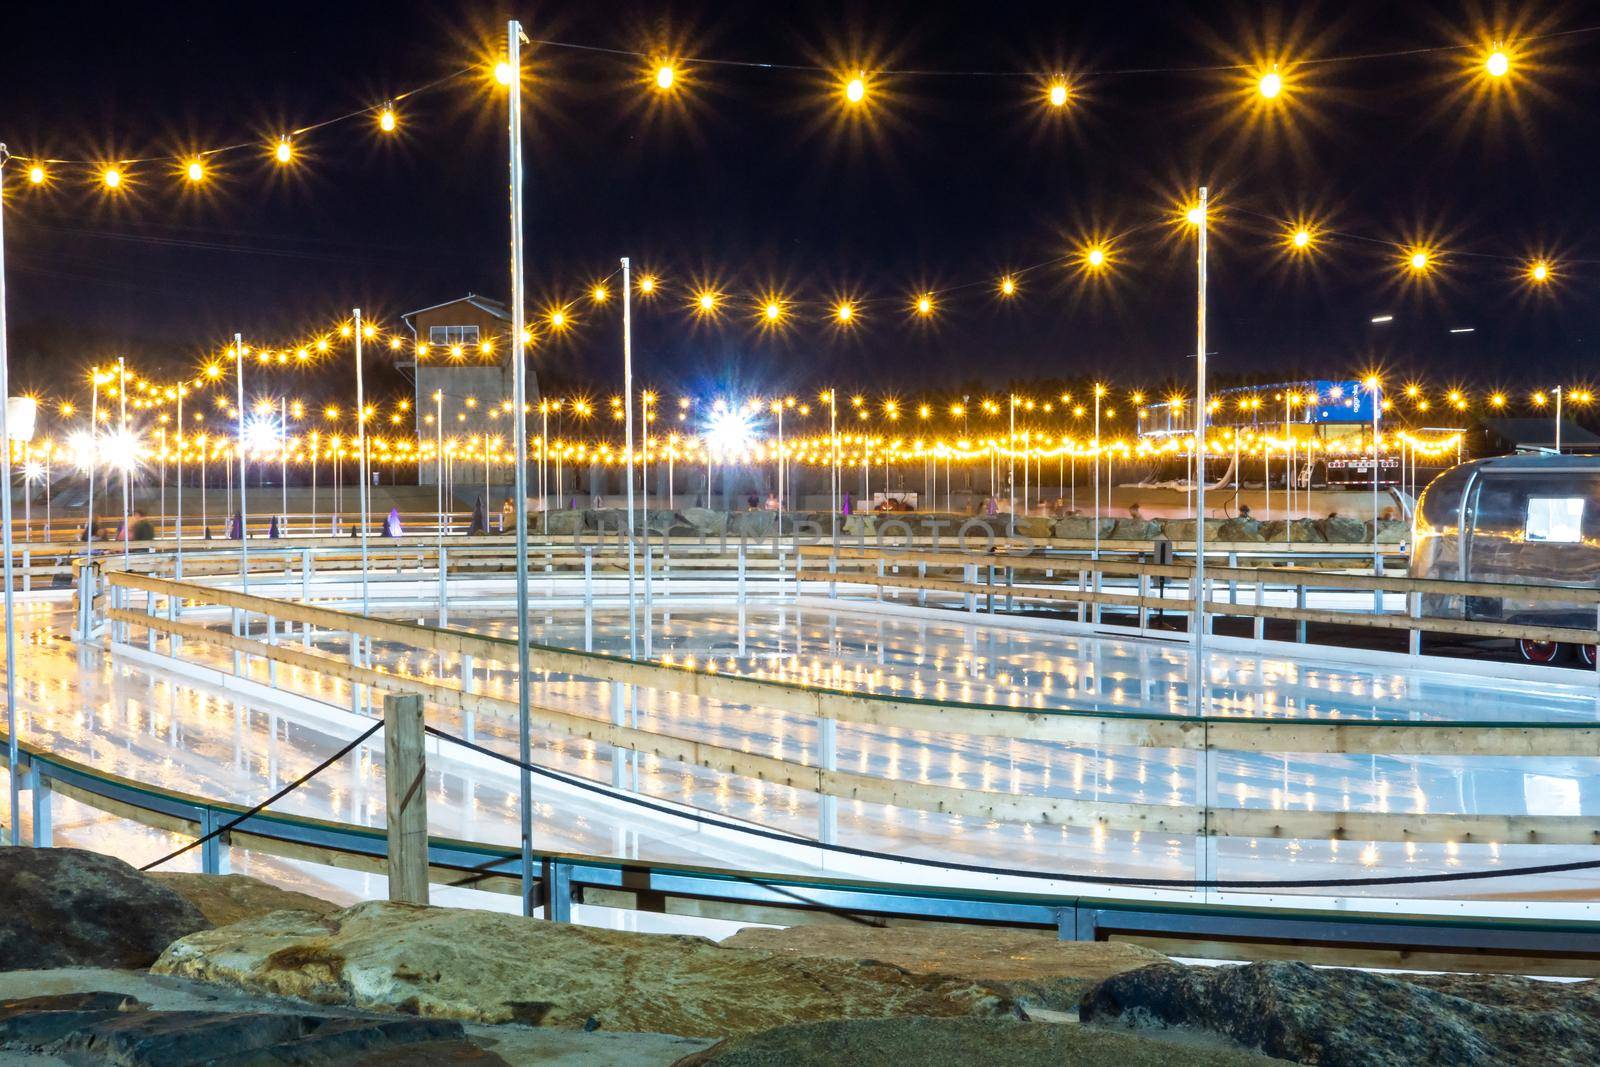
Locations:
column 273, row 799
column 1017, row 872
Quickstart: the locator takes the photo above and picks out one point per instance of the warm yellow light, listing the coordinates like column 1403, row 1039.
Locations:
column 322, row 344
column 844, row 311
column 386, row 120
column 647, row 285
column 855, row 90
column 1498, row 64
column 1301, row 238
column 773, row 311
column 1008, row 286
column 1418, row 260
column 344, row 329
column 112, row 177
column 36, row 174
column 1539, row 271
column 1058, row 94
column 502, row 73
column 599, row 294
column 665, row 76
column 1095, row 257
column 1498, row 400
column 195, row 171
column 1194, row 216
column 558, row 318
column 706, row 302
column 283, row 152
column 1270, row 85
column 925, row 305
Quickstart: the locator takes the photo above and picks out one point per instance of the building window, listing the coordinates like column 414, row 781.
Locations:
column 445, row 336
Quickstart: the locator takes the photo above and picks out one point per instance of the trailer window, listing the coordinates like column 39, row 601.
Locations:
column 1555, row 518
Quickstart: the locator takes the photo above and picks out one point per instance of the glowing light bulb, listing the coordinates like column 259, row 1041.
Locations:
column 111, row 177
column 665, row 76
column 647, row 285
column 1302, row 238
column 1194, row 216
column 855, row 90
column 845, row 311
column 599, row 294
column 1095, row 257
column 283, row 153
column 36, row 175
column 924, row 305
column 195, row 171
column 1498, row 64
column 1539, row 271
column 1058, row 94
column 502, row 73
column 1008, row 286
column 773, row 311
column 1270, row 85
column 1418, row 261
column 558, row 319
column 706, row 302
column 386, row 120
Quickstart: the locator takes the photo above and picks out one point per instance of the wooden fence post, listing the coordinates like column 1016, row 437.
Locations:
column 405, row 769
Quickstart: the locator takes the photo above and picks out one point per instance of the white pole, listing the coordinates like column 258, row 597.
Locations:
column 283, row 464
column 1096, row 472
column 362, row 491
column 1376, row 404
column 627, row 448
column 1558, row 420
column 12, row 750
column 1011, row 470
column 181, row 389
column 244, row 506
column 519, row 391
column 122, row 430
column 1199, row 623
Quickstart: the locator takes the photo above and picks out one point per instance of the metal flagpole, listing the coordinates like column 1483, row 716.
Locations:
column 12, row 751
column 363, row 501
column 519, row 390
column 1199, row 623
column 627, row 448
column 244, row 506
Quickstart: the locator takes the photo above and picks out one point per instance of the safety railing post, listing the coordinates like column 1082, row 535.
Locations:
column 922, row 577
column 969, row 578
column 1144, row 591
column 828, row 760
column 38, row 787
column 1260, row 621
column 1233, row 583
column 444, row 586
column 833, row 577
column 1300, row 604
column 1377, row 592
column 214, row 847
column 880, row 581
column 588, row 598
column 555, row 877
column 406, row 783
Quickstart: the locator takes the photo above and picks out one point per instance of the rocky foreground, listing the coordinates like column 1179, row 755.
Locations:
column 100, row 964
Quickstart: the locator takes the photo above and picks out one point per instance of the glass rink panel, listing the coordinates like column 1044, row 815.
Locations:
column 1217, row 810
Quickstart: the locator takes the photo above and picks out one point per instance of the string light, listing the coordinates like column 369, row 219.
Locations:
column 1270, row 84
column 195, row 171
column 844, row 311
column 1095, row 257
column 855, row 90
column 111, row 178
column 666, row 77
column 1539, row 272
column 1419, row 260
column 1008, row 286
column 647, row 284
column 599, row 294
column 386, row 119
column 283, row 152
column 37, row 175
column 502, row 73
column 705, row 302
column 1058, row 94
column 1498, row 64
column 924, row 304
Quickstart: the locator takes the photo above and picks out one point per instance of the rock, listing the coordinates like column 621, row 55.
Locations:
column 1238, row 530
column 705, row 521
column 1183, row 529
column 1081, row 527
column 1302, row 531
column 230, row 898
column 1346, row 1018
column 179, row 1038
column 66, row 907
column 1337, row 528
column 1036, row 527
column 1034, row 969
column 662, row 521
column 34, row 1022
column 753, row 524
column 490, row 967
column 1390, row 532
column 861, row 524
column 563, row 523
column 610, row 521
column 941, row 1042
column 1136, row 530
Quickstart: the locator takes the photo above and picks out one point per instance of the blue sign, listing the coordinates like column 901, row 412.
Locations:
column 1342, row 401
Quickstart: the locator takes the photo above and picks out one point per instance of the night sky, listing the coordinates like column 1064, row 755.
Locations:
column 754, row 181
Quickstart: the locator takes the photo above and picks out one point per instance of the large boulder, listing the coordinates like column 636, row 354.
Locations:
column 860, row 524
column 1342, row 530
column 1390, row 532
column 937, row 1042
column 1082, row 527
column 1237, row 530
column 753, row 525
column 562, row 523
column 1300, row 531
column 1035, row 527
column 1183, row 529
column 1136, row 530
column 1346, row 1018
column 662, row 521
column 705, row 521
column 490, row 967
column 1034, row 969
column 69, row 908
column 231, row 898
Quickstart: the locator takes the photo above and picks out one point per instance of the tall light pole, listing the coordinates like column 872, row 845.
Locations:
column 244, row 507
column 519, row 399
column 362, row 491
column 1200, row 414
column 1558, row 419
column 627, row 447
column 12, row 751
column 1099, row 391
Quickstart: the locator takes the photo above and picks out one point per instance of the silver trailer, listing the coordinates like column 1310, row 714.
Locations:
column 1526, row 519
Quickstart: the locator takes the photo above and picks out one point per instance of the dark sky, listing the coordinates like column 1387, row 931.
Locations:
column 757, row 183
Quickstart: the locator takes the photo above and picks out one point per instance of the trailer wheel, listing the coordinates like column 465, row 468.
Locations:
column 1539, row 651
